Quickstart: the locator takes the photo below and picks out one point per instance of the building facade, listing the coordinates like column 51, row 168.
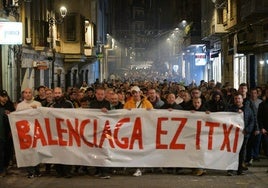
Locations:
column 58, row 48
column 237, row 33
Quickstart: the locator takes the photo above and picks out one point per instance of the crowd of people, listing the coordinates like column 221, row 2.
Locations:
column 206, row 97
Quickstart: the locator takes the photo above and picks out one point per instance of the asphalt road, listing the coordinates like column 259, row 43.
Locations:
column 256, row 177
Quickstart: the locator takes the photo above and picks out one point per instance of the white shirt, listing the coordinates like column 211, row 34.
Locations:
column 28, row 105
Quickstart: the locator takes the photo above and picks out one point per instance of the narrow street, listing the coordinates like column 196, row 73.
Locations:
column 256, row 177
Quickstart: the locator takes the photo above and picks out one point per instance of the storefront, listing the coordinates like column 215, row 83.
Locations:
column 10, row 41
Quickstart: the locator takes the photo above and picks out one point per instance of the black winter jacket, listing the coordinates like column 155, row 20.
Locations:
column 262, row 115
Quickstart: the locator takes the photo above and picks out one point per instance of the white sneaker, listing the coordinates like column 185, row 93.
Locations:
column 137, row 173
column 105, row 177
column 250, row 162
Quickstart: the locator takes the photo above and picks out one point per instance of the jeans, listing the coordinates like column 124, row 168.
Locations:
column 8, row 151
column 102, row 171
column 256, row 146
column 33, row 170
column 243, row 153
column 265, row 143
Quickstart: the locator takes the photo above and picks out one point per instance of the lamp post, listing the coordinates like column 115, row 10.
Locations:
column 51, row 54
column 220, row 5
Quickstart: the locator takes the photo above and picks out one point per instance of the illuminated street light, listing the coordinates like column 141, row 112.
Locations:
column 63, row 11
column 183, row 23
column 52, row 21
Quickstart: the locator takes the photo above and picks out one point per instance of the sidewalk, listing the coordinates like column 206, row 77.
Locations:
column 256, row 177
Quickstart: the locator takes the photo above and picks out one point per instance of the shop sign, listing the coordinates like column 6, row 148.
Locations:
column 200, row 59
column 10, row 33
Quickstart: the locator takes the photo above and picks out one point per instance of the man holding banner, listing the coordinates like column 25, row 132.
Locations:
column 198, row 106
column 250, row 127
column 101, row 103
column 61, row 102
column 137, row 101
column 7, row 106
column 29, row 103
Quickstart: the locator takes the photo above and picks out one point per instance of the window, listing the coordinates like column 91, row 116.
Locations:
column 240, row 69
column 232, row 9
column 41, row 33
column 219, row 16
column 70, row 28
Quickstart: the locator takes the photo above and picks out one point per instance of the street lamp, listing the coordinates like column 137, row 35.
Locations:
column 52, row 21
column 220, row 5
column 51, row 53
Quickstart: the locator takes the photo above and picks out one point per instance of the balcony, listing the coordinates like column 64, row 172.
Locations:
column 213, row 19
column 252, row 10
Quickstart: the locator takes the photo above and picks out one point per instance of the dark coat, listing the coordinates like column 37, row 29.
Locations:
column 262, row 115
column 118, row 106
column 216, row 106
column 249, row 121
column 100, row 104
column 173, row 106
column 62, row 103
